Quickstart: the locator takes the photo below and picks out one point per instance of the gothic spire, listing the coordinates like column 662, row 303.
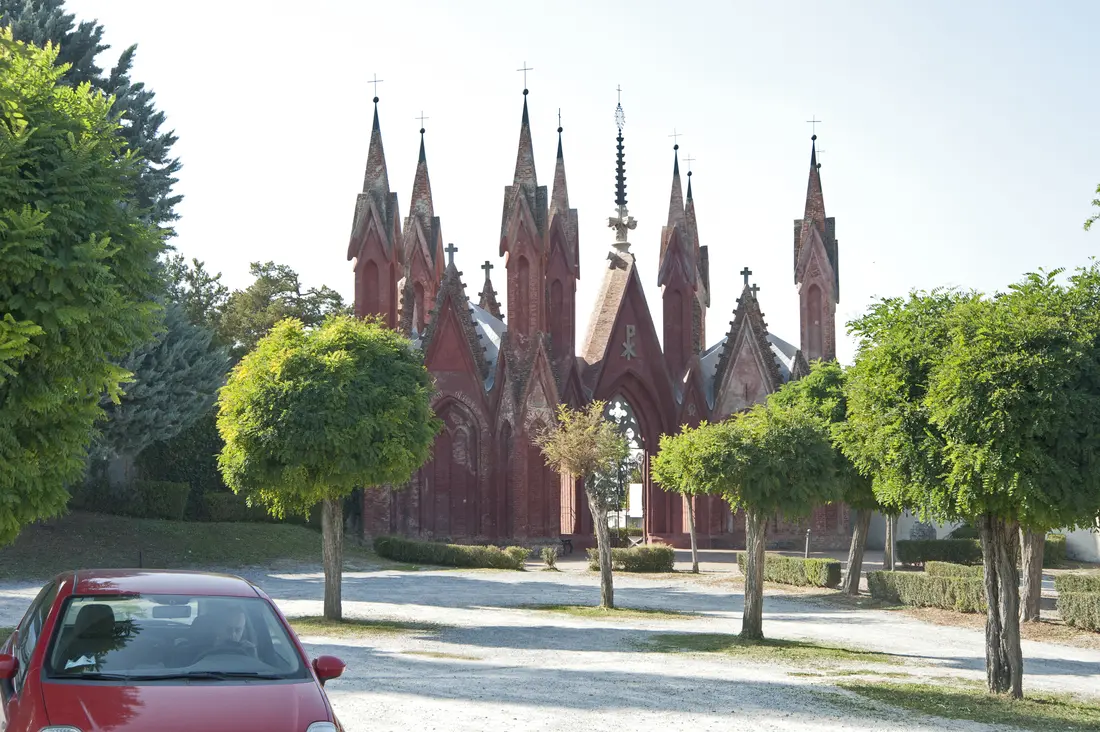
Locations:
column 815, row 201
column 488, row 295
column 525, row 155
column 622, row 222
column 690, row 221
column 559, row 199
column 376, row 177
column 676, row 199
column 421, row 207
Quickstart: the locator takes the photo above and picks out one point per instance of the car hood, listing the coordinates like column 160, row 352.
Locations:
column 185, row 706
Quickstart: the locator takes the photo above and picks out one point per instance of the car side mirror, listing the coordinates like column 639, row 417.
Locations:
column 9, row 665
column 327, row 667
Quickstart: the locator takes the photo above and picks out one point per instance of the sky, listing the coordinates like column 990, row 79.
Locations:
column 958, row 141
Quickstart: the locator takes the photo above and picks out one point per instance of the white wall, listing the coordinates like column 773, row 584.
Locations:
column 876, row 535
column 1083, row 545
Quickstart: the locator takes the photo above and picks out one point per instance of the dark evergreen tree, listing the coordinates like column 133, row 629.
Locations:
column 79, row 44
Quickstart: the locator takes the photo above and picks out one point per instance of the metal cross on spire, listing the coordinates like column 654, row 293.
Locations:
column 689, row 160
column 451, row 249
column 676, row 138
column 813, row 122
column 422, row 118
column 746, row 273
column 525, row 69
column 755, row 289
column 376, row 81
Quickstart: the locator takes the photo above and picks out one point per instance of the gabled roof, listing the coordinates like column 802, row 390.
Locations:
column 452, row 293
column 748, row 323
column 490, row 333
column 620, row 267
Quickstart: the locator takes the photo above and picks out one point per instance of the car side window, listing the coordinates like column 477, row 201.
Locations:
column 30, row 631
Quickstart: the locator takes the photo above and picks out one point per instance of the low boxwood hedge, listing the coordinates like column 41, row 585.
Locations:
column 160, row 499
column 948, row 569
column 964, row 594
column 796, row 570
column 1077, row 583
column 1080, row 609
column 957, row 551
column 644, row 558
column 450, row 555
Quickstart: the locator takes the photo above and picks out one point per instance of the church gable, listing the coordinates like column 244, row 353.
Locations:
column 747, row 371
column 675, row 260
column 451, row 337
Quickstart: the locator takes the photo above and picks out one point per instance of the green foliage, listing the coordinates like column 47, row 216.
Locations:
column 275, row 295
column 1054, row 550
column 189, row 457
column 962, row 594
column 450, row 555
column 45, row 21
column 141, row 499
column 1096, row 216
column 949, row 569
column 225, row 507
column 550, row 557
column 1077, row 583
column 796, row 571
column 643, row 558
column 315, row 414
column 1080, row 609
column 680, row 462
column 175, row 381
column 201, row 294
column 965, row 531
column 77, row 277
column 958, row 551
column 583, row 443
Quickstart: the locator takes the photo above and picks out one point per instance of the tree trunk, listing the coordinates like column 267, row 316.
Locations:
column 603, row 549
column 332, row 551
column 850, row 585
column 752, row 620
column 1004, row 661
column 888, row 549
column 1031, row 551
column 691, row 529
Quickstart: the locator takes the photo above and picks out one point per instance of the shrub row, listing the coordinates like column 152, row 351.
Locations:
column 644, row 558
column 158, row 499
column 1065, row 583
column 947, row 569
column 796, row 571
column 1080, row 609
column 963, row 594
column 222, row 507
column 450, row 555
column 957, row 551
column 1054, row 550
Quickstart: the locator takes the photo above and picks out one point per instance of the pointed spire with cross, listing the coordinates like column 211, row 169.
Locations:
column 746, row 273
column 525, row 69
column 451, row 249
column 376, row 81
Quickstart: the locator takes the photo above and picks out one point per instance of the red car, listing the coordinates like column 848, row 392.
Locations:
column 103, row 650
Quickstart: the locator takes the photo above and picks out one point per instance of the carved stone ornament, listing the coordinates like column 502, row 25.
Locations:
column 629, row 346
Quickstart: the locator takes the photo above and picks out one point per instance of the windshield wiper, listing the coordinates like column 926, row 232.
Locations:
column 209, row 676
column 93, row 676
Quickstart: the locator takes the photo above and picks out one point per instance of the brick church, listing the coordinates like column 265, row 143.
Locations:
column 500, row 375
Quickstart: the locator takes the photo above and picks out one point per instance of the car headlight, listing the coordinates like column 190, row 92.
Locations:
column 60, row 729
column 318, row 727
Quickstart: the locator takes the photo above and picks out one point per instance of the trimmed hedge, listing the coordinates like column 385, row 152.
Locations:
column 957, row 551
column 450, row 555
column 1080, row 609
column 947, row 569
column 1054, row 550
column 160, row 499
column 229, row 507
column 644, row 558
column 797, row 571
column 963, row 594
column 1066, row 583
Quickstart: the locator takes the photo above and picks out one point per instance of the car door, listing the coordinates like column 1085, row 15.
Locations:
column 17, row 707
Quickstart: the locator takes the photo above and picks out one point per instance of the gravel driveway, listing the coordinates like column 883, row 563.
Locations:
column 497, row 666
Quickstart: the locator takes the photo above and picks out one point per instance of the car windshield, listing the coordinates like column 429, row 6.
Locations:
column 146, row 637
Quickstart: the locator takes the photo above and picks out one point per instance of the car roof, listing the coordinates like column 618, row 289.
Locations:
column 159, row 582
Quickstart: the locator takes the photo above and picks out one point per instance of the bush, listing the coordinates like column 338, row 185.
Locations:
column 644, row 558
column 921, row 531
column 947, row 569
column 1054, row 550
column 963, row 594
column 1080, row 609
column 1077, row 583
column 796, row 571
column 958, row 551
column 550, row 556
column 450, row 555
column 226, row 506
column 965, row 531
column 141, row 499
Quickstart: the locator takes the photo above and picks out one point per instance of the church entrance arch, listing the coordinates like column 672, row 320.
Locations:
column 628, row 509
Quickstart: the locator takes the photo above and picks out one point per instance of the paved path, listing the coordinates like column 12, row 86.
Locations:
column 497, row 666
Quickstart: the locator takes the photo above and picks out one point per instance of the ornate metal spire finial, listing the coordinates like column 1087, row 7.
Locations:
column 376, row 81
column 813, row 121
column 622, row 222
column 525, row 69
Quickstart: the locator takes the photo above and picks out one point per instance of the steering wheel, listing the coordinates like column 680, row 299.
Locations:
column 233, row 650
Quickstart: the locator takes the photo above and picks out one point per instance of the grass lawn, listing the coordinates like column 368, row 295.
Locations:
column 1037, row 711
column 101, row 541
column 358, row 627
column 590, row 611
column 770, row 651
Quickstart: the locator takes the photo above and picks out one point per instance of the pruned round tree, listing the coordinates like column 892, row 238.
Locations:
column 584, row 444
column 77, row 277
column 311, row 415
column 678, row 466
column 987, row 408
column 771, row 460
column 821, row 392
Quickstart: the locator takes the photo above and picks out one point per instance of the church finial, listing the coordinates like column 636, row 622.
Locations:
column 676, row 198
column 689, row 160
column 622, row 222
